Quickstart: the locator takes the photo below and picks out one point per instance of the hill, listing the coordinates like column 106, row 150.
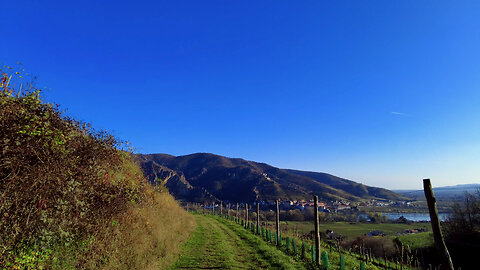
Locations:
column 205, row 177
column 442, row 193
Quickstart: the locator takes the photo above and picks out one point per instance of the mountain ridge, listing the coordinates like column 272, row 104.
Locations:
column 202, row 177
column 443, row 193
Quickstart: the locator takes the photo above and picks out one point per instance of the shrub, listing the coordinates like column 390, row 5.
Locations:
column 64, row 187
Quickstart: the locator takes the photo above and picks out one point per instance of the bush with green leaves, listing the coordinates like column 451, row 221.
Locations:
column 59, row 178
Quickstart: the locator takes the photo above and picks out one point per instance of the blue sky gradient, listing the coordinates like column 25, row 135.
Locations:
column 382, row 92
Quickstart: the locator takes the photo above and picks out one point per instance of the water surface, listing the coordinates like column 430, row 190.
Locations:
column 415, row 216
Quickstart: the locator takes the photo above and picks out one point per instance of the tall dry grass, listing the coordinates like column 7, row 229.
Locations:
column 150, row 235
column 146, row 236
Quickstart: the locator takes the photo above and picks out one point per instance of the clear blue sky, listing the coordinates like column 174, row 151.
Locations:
column 382, row 92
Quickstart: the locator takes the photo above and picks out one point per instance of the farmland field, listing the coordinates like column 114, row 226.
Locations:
column 350, row 230
column 418, row 240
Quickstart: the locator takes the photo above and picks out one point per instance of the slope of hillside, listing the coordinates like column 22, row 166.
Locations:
column 349, row 186
column 215, row 177
column 71, row 198
column 443, row 193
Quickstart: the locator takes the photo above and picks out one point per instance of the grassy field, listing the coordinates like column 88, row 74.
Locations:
column 350, row 230
column 418, row 240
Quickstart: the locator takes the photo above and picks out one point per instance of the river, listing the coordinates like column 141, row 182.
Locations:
column 415, row 216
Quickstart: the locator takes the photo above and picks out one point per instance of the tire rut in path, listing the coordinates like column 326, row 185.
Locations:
column 245, row 250
column 213, row 246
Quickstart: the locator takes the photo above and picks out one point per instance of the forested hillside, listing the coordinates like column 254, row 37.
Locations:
column 205, row 177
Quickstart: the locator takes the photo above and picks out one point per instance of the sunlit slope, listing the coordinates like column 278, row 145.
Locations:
column 199, row 176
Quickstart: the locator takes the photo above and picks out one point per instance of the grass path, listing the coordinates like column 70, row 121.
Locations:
column 219, row 244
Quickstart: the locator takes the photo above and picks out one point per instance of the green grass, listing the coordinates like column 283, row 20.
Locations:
column 350, row 230
column 351, row 260
column 419, row 240
column 219, row 244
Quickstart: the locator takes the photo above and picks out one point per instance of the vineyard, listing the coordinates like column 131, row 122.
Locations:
column 255, row 237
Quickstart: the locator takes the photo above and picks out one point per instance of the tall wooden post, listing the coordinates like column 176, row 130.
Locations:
column 221, row 208
column 437, row 232
column 258, row 218
column 236, row 214
column 246, row 215
column 277, row 222
column 317, row 231
column 213, row 208
column 187, row 206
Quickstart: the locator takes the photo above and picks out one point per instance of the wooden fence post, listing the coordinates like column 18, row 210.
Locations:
column 437, row 232
column 236, row 214
column 213, row 208
column 317, row 230
column 246, row 215
column 258, row 218
column 277, row 222
column 221, row 208
column 266, row 222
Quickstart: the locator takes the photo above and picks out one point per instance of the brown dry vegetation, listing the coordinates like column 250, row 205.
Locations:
column 72, row 197
column 150, row 236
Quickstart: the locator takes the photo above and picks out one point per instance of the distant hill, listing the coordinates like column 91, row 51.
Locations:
column 205, row 177
column 442, row 193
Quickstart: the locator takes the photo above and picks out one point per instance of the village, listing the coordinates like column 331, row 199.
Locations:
column 336, row 206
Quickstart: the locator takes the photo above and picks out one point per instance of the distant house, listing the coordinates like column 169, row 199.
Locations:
column 305, row 204
column 413, row 231
column 286, row 204
column 322, row 205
